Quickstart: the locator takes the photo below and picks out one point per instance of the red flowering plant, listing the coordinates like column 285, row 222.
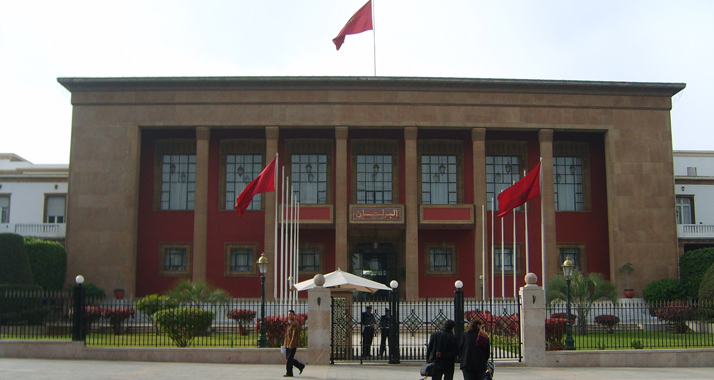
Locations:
column 275, row 328
column 608, row 321
column 573, row 317
column 117, row 316
column 243, row 317
column 554, row 332
column 506, row 325
column 676, row 315
column 91, row 315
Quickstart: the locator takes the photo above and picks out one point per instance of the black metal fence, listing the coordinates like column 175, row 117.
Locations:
column 634, row 324
column 51, row 316
column 354, row 339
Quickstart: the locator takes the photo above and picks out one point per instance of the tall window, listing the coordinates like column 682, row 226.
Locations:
column 374, row 179
column 178, row 181
column 501, row 173
column 175, row 259
column 573, row 254
column 576, row 252
column 4, row 209
column 309, row 178
column 684, row 210
column 55, row 209
column 504, row 255
column 438, row 180
column 440, row 259
column 241, row 169
column 568, row 173
column 309, row 260
column 240, row 259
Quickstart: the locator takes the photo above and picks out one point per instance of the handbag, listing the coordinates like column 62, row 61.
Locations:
column 427, row 369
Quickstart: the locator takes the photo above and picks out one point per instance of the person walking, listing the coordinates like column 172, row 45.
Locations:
column 475, row 351
column 385, row 323
column 442, row 351
column 368, row 321
column 291, row 343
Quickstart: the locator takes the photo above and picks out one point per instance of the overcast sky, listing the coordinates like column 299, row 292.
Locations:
column 623, row 40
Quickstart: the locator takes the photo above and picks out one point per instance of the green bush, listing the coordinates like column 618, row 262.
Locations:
column 21, row 304
column 706, row 287
column 184, row 323
column 14, row 264
column 153, row 303
column 663, row 290
column 48, row 262
column 692, row 266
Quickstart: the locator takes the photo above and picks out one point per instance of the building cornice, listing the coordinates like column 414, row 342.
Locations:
column 372, row 83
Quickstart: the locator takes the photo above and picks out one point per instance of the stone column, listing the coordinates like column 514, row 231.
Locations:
column 549, row 250
column 200, row 211
column 533, row 322
column 318, row 303
column 411, row 204
column 341, row 197
column 478, row 141
column 269, row 200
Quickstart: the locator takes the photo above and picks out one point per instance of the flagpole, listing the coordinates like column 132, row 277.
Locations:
column 514, row 262
column 525, row 215
column 275, row 233
column 503, row 263
column 483, row 252
column 542, row 227
column 493, row 248
column 374, row 39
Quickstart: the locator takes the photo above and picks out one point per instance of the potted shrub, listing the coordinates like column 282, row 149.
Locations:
column 119, row 293
column 627, row 270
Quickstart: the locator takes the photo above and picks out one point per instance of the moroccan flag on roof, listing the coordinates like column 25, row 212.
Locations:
column 264, row 182
column 522, row 191
column 360, row 22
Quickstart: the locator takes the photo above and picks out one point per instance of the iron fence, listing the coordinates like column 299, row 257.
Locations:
column 48, row 315
column 635, row 324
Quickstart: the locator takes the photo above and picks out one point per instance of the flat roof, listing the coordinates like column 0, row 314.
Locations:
column 380, row 83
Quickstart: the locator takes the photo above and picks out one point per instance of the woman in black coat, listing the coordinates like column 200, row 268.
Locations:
column 475, row 351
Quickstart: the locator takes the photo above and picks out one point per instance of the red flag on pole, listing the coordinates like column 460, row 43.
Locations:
column 522, row 191
column 360, row 22
column 264, row 182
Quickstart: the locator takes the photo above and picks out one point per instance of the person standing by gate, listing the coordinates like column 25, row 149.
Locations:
column 385, row 323
column 443, row 349
column 475, row 351
column 368, row 322
column 291, row 343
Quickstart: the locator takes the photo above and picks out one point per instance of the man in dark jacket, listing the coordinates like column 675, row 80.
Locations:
column 443, row 349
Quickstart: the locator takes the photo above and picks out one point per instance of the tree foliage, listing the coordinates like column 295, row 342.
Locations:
column 183, row 324
column 584, row 291
column 197, row 293
column 706, row 287
column 14, row 264
column 48, row 262
column 663, row 290
column 692, row 266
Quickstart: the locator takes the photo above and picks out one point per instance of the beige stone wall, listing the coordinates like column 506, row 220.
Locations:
column 108, row 116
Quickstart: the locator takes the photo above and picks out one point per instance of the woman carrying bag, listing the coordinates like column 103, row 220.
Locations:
column 475, row 351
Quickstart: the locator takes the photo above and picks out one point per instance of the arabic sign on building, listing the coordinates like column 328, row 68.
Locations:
column 372, row 214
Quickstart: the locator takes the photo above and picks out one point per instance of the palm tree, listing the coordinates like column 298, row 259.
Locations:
column 197, row 293
column 584, row 291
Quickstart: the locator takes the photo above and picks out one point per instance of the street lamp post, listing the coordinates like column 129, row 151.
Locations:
column 459, row 308
column 568, row 268
column 263, row 268
column 79, row 322
column 394, row 356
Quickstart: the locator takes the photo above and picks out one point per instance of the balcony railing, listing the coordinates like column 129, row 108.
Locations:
column 695, row 231
column 43, row 230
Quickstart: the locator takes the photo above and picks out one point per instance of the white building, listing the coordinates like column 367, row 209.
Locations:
column 694, row 190
column 33, row 198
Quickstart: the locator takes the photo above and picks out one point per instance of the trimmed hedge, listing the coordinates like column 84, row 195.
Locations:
column 692, row 266
column 48, row 262
column 663, row 290
column 182, row 324
column 21, row 304
column 706, row 287
column 14, row 264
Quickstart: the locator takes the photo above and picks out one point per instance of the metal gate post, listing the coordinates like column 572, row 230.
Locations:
column 459, row 309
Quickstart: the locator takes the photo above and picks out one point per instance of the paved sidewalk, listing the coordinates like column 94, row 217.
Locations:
column 41, row 369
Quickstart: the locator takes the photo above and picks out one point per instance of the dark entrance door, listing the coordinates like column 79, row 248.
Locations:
column 377, row 262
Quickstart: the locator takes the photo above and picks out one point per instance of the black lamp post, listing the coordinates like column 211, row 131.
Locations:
column 568, row 268
column 459, row 308
column 394, row 356
column 79, row 321
column 263, row 268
